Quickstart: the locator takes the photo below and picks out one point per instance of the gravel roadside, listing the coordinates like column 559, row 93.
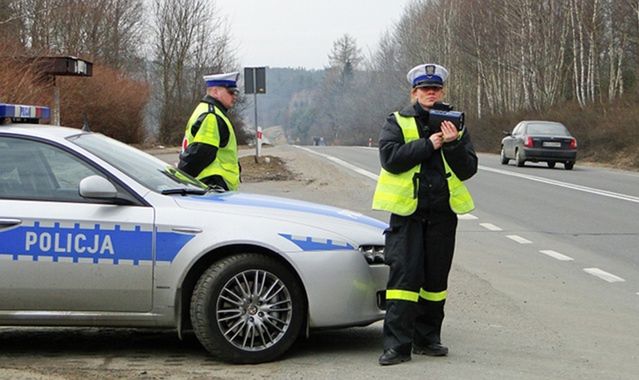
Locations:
column 317, row 180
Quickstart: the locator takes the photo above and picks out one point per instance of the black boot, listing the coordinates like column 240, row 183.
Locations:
column 390, row 357
column 432, row 349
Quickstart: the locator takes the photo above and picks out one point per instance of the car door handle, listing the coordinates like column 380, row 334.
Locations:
column 7, row 222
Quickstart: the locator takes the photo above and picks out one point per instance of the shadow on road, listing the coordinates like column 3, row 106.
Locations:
column 27, row 342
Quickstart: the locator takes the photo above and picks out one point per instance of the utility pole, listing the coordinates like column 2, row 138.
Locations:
column 255, row 83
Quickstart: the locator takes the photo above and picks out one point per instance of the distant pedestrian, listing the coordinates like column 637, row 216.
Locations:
column 420, row 184
column 209, row 147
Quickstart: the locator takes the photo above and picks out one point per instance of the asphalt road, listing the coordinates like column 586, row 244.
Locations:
column 561, row 246
column 545, row 285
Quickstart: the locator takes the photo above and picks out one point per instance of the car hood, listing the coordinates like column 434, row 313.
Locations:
column 338, row 220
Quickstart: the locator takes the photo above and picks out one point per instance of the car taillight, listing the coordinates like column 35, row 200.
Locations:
column 573, row 143
column 529, row 142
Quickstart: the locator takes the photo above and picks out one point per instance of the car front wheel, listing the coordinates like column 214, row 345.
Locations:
column 551, row 164
column 247, row 308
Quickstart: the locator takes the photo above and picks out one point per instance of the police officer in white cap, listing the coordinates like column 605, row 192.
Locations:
column 209, row 147
column 420, row 184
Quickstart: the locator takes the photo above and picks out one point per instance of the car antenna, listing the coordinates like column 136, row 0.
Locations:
column 85, row 123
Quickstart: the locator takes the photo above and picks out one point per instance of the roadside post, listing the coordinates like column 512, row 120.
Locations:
column 255, row 83
column 259, row 141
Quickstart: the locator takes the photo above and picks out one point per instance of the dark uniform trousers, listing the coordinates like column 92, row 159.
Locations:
column 419, row 251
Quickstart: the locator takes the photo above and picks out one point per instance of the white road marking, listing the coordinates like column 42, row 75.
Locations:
column 490, row 227
column 519, row 239
column 593, row 271
column 603, row 275
column 585, row 189
column 467, row 217
column 342, row 163
column 556, row 255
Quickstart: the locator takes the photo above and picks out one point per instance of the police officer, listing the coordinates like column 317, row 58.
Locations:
column 421, row 185
column 209, row 147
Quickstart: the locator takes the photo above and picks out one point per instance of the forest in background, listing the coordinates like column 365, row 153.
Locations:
column 573, row 61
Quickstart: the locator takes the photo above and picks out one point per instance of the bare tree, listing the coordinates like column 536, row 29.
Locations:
column 189, row 40
column 338, row 88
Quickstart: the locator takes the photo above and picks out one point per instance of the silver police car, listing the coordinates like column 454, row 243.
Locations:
column 96, row 233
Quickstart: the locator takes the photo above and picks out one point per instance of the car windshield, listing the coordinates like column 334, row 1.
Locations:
column 151, row 172
column 547, row 129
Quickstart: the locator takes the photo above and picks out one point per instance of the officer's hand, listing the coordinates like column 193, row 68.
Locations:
column 437, row 139
column 449, row 131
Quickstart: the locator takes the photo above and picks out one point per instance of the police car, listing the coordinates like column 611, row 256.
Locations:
column 94, row 232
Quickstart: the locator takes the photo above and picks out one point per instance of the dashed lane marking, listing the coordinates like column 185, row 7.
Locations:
column 556, row 255
column 603, row 275
column 519, row 239
column 490, row 227
column 467, row 217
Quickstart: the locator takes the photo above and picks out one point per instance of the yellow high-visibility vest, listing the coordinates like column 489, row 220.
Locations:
column 225, row 163
column 397, row 193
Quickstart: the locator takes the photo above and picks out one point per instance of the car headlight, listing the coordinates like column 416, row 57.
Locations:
column 374, row 254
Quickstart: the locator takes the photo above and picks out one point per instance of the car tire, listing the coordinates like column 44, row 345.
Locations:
column 518, row 159
column 568, row 165
column 551, row 164
column 260, row 303
column 504, row 159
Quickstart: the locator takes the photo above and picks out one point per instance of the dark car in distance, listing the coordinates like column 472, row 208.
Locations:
column 535, row 141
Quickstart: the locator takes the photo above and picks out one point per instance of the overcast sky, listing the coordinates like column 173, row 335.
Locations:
column 300, row 33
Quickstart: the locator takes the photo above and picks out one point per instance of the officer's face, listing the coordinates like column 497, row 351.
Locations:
column 226, row 96
column 427, row 96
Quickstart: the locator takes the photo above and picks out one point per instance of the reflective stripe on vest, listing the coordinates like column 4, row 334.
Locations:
column 397, row 193
column 225, row 163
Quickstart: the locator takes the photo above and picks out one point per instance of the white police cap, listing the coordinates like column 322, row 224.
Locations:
column 222, row 80
column 427, row 75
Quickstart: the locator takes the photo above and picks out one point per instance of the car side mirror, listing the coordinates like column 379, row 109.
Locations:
column 506, row 133
column 96, row 187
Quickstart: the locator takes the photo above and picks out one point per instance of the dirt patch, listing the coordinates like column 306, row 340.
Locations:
column 268, row 168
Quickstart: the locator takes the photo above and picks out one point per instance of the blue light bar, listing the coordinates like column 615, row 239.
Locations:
column 23, row 111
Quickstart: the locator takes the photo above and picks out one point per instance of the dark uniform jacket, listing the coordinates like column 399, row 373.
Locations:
column 396, row 156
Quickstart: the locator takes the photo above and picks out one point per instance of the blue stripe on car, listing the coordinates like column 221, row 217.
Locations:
column 94, row 243
column 308, row 244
